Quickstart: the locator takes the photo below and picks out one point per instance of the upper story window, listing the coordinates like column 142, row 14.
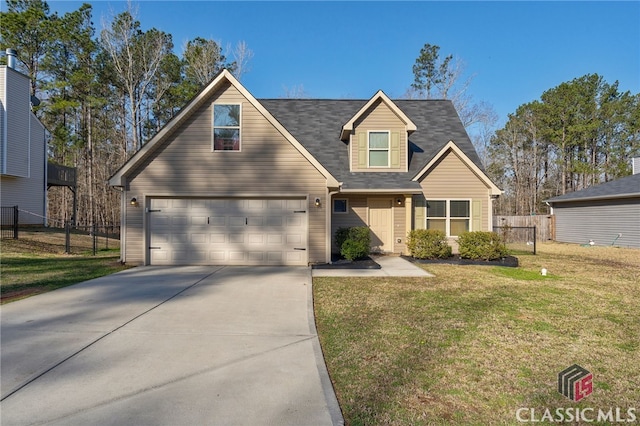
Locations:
column 379, row 149
column 226, row 127
column 453, row 217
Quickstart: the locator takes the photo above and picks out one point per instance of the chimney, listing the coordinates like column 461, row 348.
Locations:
column 635, row 165
column 12, row 57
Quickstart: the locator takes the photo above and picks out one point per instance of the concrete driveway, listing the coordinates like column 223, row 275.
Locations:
column 173, row 346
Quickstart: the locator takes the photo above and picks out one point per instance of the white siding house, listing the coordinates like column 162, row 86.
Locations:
column 23, row 157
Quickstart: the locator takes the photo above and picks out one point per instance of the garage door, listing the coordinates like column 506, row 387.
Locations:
column 228, row 231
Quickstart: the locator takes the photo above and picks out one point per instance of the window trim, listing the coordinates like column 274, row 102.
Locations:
column 346, row 204
column 447, row 216
column 214, row 127
column 388, row 149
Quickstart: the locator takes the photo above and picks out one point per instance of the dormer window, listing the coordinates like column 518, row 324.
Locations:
column 226, row 127
column 378, row 149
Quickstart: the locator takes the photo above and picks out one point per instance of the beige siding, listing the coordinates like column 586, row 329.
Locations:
column 379, row 117
column 399, row 227
column 451, row 178
column 358, row 215
column 267, row 165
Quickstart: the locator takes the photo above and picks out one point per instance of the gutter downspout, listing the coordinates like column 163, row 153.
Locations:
column 330, row 195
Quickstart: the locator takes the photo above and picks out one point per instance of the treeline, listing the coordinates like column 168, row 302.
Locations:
column 580, row 133
column 104, row 92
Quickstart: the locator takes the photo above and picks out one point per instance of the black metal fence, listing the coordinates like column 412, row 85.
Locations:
column 9, row 222
column 98, row 236
column 61, row 236
column 518, row 238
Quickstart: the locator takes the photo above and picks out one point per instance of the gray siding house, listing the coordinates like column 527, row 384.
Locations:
column 235, row 180
column 23, row 150
column 604, row 214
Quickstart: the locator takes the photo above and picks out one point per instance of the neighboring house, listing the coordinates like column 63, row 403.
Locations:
column 604, row 214
column 239, row 181
column 23, row 149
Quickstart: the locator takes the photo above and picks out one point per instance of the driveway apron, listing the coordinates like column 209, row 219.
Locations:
column 174, row 346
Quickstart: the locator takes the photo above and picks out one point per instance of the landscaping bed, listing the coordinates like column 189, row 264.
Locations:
column 338, row 262
column 510, row 261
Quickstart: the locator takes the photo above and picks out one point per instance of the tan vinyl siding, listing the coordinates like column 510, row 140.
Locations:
column 581, row 221
column 450, row 178
column 358, row 215
column 399, row 228
column 266, row 165
column 379, row 117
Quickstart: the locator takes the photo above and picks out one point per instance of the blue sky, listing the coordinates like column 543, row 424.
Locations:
column 514, row 50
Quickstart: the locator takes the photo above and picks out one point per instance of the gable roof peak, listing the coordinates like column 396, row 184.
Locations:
column 379, row 96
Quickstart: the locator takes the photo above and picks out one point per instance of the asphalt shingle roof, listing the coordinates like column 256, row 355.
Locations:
column 317, row 123
column 620, row 188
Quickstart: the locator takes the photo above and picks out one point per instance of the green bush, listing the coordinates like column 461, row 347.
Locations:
column 481, row 245
column 341, row 236
column 354, row 243
column 428, row 244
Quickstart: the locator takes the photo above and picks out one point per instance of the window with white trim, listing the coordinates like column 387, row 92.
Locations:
column 453, row 217
column 378, row 149
column 340, row 206
column 226, row 127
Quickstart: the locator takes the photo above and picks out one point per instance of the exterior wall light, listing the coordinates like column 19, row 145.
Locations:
column 399, row 201
column 317, row 202
column 134, row 202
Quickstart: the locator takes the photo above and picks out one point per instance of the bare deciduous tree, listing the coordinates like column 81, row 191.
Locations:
column 136, row 57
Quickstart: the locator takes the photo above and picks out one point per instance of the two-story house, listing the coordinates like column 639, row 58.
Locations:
column 234, row 180
column 23, row 147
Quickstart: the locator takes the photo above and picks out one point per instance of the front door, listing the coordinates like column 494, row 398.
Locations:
column 381, row 224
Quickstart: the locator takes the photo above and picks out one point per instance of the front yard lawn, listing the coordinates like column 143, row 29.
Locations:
column 35, row 264
column 476, row 343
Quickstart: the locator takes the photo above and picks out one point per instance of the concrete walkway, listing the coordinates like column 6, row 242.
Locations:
column 390, row 266
column 168, row 346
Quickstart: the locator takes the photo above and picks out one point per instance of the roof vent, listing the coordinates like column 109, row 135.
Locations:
column 12, row 57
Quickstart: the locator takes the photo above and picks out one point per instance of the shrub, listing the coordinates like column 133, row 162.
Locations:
column 354, row 243
column 341, row 236
column 481, row 245
column 428, row 244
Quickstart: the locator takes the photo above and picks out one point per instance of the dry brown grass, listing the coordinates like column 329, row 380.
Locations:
column 475, row 343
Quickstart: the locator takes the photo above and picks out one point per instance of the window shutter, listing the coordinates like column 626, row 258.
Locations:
column 362, row 150
column 476, row 215
column 395, row 150
column 419, row 212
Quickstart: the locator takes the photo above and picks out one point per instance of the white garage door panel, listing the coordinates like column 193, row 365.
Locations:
column 228, row 232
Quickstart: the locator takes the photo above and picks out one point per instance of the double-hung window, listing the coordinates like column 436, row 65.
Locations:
column 453, row 217
column 379, row 149
column 226, row 127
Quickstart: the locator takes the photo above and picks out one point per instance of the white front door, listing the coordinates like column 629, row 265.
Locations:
column 381, row 224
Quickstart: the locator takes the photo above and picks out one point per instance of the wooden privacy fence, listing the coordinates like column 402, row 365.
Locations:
column 545, row 224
